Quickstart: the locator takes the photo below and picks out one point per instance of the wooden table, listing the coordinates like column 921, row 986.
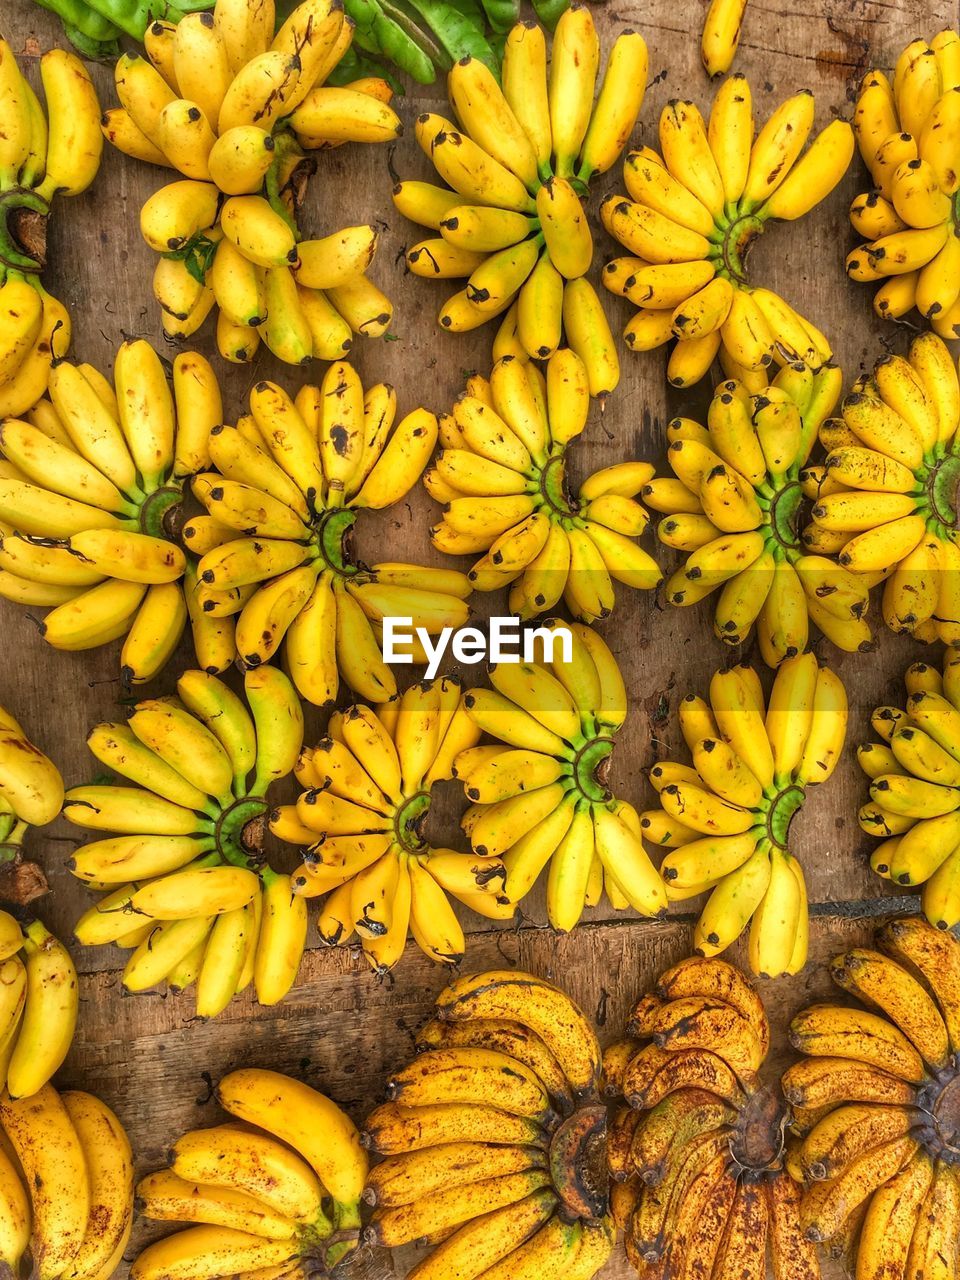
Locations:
column 340, row 1028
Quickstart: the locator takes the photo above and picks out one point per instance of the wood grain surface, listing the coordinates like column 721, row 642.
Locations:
column 340, row 1028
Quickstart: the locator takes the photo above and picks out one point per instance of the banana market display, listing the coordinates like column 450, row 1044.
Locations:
column 66, row 1186
column 908, row 133
column 886, row 499
column 189, row 891
column 276, row 546
column 689, row 217
column 90, row 497
column 914, row 772
column 540, row 794
column 735, row 508
column 501, row 475
column 876, row 1103
column 46, row 150
column 273, row 1192
column 698, row 1152
column 494, row 1138
column 725, row 818
column 236, row 109
column 369, row 788
column 510, row 219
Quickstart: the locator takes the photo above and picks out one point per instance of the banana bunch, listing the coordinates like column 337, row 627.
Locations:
column 697, row 1153
column 914, row 772
column 494, row 1138
column 908, row 133
column 31, row 793
column 90, row 494
column 236, row 109
column 539, row 794
column 188, row 890
column 273, row 1192
column 693, row 210
column 885, row 501
column 369, row 786
column 66, row 1186
column 511, row 219
column 275, row 546
column 502, row 477
column 875, row 1103
column 38, row 1007
column 46, row 150
column 725, row 818
column 733, row 506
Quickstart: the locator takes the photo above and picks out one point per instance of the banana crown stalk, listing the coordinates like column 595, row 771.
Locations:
column 236, row 108
column 66, row 1185
column 502, row 477
column 886, row 497
column 494, row 1138
column 908, row 134
column 689, row 216
column 539, row 794
column 701, row 1166
column 735, row 506
column 724, row 819
column 361, row 823
column 279, row 1191
column 875, row 1104
column 913, row 765
column 45, row 151
column 516, row 164
column 189, row 891
column 276, row 547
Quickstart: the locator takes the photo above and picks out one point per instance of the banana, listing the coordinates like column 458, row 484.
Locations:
column 49, row 1151
column 305, row 1120
column 166, row 1197
column 721, row 35
column 50, row 1013
column 109, row 1162
column 211, row 1249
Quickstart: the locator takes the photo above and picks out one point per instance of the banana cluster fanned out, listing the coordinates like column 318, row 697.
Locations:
column 690, row 214
column 698, row 1157
column 276, row 1194
column 885, row 500
column 540, row 795
column 276, row 547
column 734, row 507
column 502, row 477
column 66, row 1186
column 45, row 151
column 914, row 773
column 189, row 892
column 493, row 1138
column 908, row 133
column 235, row 109
column 725, row 818
column 369, row 786
column 91, row 481
column 875, row 1100
column 510, row 218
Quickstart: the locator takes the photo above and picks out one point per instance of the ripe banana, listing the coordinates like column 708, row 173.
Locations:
column 188, row 865
column 214, row 106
